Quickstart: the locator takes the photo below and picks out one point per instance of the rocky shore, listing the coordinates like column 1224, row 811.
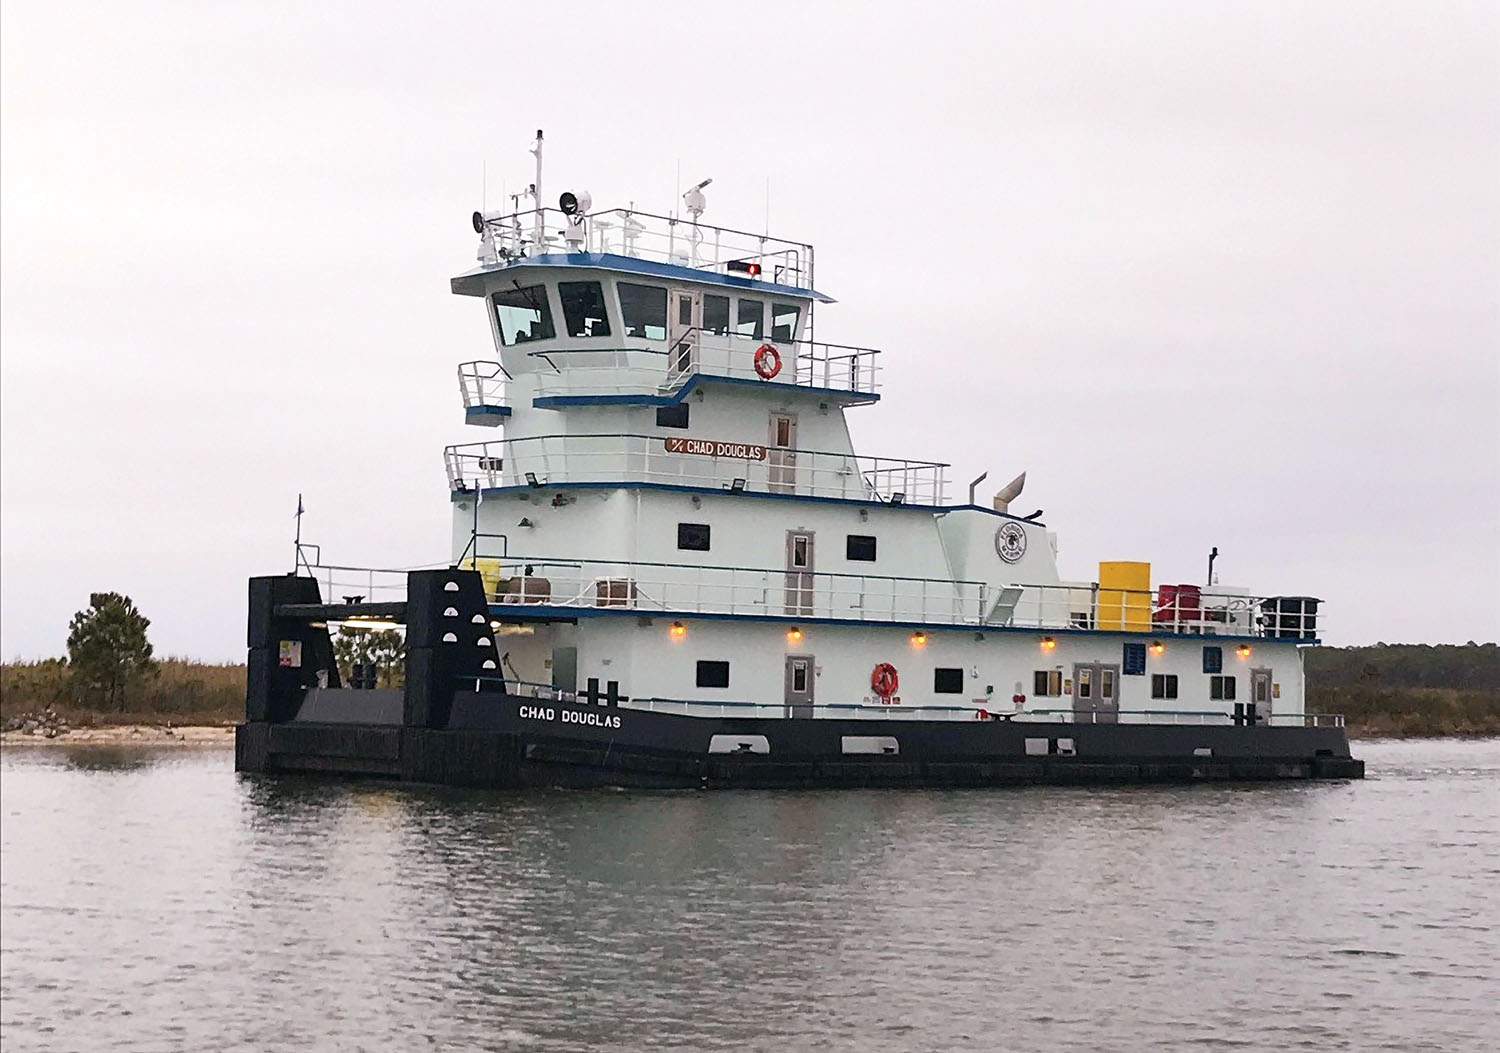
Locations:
column 48, row 727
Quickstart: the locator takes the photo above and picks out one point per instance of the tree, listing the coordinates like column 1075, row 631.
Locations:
column 383, row 649
column 108, row 650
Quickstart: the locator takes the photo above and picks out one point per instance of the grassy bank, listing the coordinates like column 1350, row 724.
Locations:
column 1398, row 690
column 181, row 692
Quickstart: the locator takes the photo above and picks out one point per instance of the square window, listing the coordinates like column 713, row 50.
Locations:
column 1133, row 662
column 693, row 536
column 1213, row 659
column 784, row 322
column 1164, row 685
column 672, row 416
column 1047, row 683
column 644, row 310
column 860, row 548
column 583, row 308
column 750, row 319
column 713, row 674
column 523, row 315
column 716, row 315
column 948, row 681
column 1221, row 688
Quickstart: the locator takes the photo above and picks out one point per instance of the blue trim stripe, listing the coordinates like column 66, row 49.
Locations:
column 548, row 612
column 558, row 401
column 471, row 283
column 459, row 495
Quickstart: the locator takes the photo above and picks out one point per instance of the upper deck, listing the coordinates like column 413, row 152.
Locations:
column 642, row 242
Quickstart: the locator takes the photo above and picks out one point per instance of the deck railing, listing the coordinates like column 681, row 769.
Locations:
column 662, row 239
column 482, row 383
column 1208, row 613
column 672, row 588
column 570, row 459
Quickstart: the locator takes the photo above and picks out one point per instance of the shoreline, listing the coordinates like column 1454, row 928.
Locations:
column 127, row 735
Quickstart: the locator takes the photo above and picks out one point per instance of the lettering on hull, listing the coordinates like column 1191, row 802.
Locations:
column 568, row 716
column 712, row 448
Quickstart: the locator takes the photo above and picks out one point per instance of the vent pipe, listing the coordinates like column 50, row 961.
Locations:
column 1009, row 492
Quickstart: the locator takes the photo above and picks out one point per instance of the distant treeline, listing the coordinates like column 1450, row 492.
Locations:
column 1386, row 689
column 1405, row 690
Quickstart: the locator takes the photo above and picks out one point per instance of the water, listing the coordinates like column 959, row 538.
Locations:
column 155, row 900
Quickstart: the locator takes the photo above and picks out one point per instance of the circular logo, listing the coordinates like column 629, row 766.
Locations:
column 1010, row 541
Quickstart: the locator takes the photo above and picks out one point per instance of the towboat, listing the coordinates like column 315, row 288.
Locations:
column 669, row 567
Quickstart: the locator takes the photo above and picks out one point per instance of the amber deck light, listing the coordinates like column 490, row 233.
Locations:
column 919, row 639
column 1243, row 650
column 678, row 630
column 1157, row 647
column 1049, row 644
column 793, row 635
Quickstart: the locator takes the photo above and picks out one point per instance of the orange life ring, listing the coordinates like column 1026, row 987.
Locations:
column 767, row 361
column 884, row 681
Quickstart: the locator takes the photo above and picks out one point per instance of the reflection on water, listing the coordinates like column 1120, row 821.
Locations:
column 160, row 901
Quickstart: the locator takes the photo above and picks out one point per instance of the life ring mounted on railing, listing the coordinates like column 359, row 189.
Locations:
column 767, row 361
column 884, row 681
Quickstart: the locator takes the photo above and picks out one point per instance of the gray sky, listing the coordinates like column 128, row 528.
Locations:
column 1214, row 274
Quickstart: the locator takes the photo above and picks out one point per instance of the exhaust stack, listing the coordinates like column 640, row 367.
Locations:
column 1009, row 492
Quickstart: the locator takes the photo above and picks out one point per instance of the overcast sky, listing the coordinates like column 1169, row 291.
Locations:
column 1213, row 274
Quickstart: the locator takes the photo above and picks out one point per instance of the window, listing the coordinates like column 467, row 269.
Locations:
column 693, row 536
column 1221, row 688
column 751, row 319
column 948, row 681
column 1133, row 663
column 716, row 315
column 1213, row 659
column 860, row 548
column 801, row 554
column 583, row 308
column 784, row 321
column 643, row 308
column 523, row 314
column 781, row 432
column 672, row 416
column 1047, row 683
column 799, row 676
column 713, row 674
column 1163, row 685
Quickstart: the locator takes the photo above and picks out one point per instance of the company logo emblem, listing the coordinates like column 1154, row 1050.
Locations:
column 1010, row 541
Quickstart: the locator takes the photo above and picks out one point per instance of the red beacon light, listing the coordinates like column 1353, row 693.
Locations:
column 745, row 267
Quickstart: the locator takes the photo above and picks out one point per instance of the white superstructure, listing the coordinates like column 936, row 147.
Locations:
column 674, row 512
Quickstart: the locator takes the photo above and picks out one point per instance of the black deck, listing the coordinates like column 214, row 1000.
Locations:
column 440, row 731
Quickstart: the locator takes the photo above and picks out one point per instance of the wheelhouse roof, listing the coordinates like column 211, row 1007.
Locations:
column 472, row 283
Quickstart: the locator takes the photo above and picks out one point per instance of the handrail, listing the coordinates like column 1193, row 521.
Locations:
column 636, row 458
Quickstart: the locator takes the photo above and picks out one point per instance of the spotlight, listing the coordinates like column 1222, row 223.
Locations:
column 898, row 498
column 531, row 479
column 575, row 204
column 737, row 487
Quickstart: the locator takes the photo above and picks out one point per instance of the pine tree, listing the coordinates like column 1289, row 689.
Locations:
column 108, row 651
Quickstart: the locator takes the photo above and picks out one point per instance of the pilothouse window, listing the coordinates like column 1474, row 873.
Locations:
column 716, row 315
column 583, row 308
column 523, row 314
column 784, row 322
column 750, row 320
column 644, row 311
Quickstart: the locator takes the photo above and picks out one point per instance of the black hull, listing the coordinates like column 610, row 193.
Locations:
column 491, row 744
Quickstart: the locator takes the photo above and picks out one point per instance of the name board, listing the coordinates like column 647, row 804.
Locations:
column 568, row 716
column 712, row 448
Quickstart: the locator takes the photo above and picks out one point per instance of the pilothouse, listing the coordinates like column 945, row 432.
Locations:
column 671, row 566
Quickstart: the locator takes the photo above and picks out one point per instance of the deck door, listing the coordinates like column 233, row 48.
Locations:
column 799, row 685
column 781, row 454
column 1096, row 693
column 684, row 328
column 799, row 572
column 1260, row 694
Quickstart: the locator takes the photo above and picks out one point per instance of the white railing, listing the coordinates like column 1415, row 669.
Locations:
column 482, row 383
column 569, row 459
column 1209, row 613
column 670, row 588
column 663, row 239
column 872, row 711
column 573, row 372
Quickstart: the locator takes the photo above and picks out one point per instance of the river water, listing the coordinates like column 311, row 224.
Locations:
column 154, row 900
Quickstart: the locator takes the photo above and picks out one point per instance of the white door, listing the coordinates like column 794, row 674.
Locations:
column 799, row 685
column 781, row 454
column 684, row 325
